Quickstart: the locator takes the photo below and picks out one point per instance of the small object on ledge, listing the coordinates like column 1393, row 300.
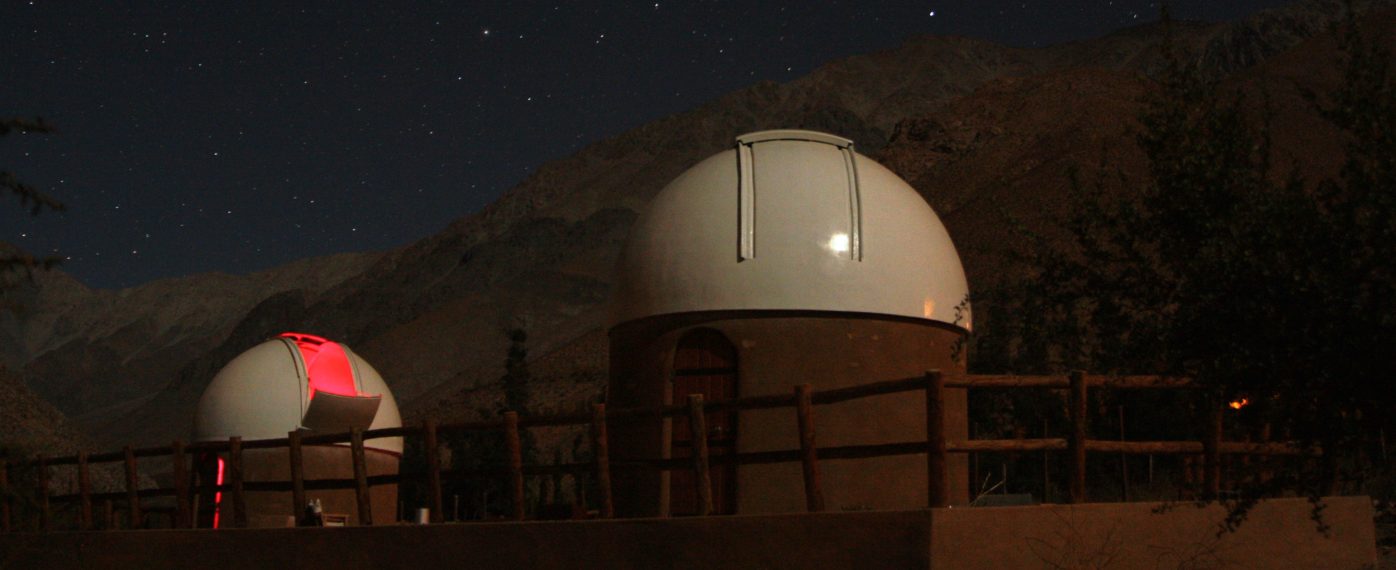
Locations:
column 335, row 520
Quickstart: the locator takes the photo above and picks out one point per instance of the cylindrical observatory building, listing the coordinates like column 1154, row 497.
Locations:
column 297, row 382
column 788, row 259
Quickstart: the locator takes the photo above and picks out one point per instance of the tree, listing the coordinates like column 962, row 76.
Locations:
column 518, row 397
column 516, row 380
column 485, row 451
column 29, row 197
column 15, row 261
column 1280, row 292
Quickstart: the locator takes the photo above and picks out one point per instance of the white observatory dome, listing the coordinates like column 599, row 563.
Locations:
column 791, row 220
column 296, row 381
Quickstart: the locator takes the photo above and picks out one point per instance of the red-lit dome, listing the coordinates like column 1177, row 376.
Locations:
column 272, row 389
column 326, row 365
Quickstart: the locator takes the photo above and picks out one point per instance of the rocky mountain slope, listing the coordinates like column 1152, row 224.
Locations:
column 28, row 423
column 86, row 350
column 30, row 426
column 982, row 130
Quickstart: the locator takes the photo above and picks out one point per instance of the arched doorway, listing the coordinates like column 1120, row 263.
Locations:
column 705, row 362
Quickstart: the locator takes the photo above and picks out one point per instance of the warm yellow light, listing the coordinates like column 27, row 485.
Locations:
column 1238, row 404
column 839, row 243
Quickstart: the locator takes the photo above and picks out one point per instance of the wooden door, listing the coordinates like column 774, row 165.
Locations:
column 704, row 363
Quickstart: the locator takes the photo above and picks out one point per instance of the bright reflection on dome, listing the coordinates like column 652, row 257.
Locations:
column 839, row 243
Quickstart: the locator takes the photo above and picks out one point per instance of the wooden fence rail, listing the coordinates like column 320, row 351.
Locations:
column 802, row 398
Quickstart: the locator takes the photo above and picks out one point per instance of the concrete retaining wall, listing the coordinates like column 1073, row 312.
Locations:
column 1278, row 534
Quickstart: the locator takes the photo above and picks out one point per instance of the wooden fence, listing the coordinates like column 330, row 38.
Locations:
column 936, row 448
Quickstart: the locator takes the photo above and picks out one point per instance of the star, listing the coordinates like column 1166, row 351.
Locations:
column 377, row 89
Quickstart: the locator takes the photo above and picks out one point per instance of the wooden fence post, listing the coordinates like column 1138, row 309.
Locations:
column 84, row 493
column 133, row 498
column 294, row 455
column 1211, row 449
column 183, row 502
column 1266, row 473
column 108, row 515
column 937, row 472
column 1124, row 460
column 809, row 456
column 1077, row 443
column 698, row 428
column 361, row 492
column 1046, row 466
column 232, row 478
column 601, row 453
column 197, row 491
column 5, row 497
column 43, row 494
column 433, row 459
column 515, row 450
column 1331, row 482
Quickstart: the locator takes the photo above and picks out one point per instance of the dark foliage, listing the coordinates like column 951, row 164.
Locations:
column 1278, row 292
column 484, row 452
column 13, row 260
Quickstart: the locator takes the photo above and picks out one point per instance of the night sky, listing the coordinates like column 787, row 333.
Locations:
column 235, row 136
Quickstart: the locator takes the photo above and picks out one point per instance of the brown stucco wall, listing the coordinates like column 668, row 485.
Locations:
column 1277, row 534
column 775, row 351
column 841, row 540
column 266, row 509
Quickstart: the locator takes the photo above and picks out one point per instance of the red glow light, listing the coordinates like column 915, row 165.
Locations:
column 1238, row 404
column 218, row 495
column 326, row 365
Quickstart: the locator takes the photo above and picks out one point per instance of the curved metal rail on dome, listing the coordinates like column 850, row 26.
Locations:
column 802, row 398
column 746, row 186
